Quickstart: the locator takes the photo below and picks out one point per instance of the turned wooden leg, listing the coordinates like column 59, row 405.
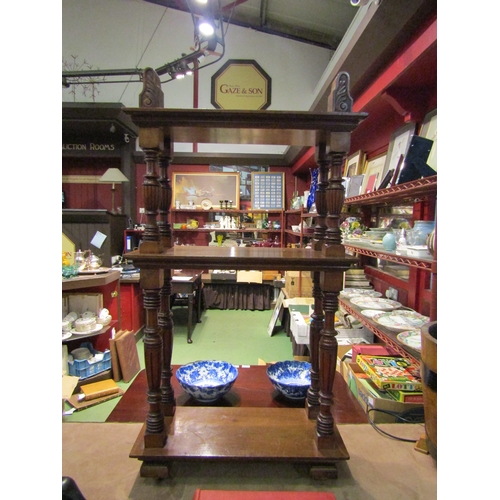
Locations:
column 328, row 347
column 166, row 324
column 317, row 321
column 155, row 430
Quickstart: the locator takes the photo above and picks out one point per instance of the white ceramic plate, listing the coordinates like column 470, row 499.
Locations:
column 401, row 320
column 352, row 292
column 206, row 204
column 66, row 335
column 369, row 313
column 411, row 338
column 375, row 303
column 96, row 329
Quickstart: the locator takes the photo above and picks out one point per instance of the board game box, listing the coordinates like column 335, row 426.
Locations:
column 391, row 372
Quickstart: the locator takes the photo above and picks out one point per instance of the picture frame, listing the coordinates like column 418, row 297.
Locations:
column 202, row 190
column 429, row 131
column 354, row 164
column 398, row 145
column 374, row 166
column 268, row 190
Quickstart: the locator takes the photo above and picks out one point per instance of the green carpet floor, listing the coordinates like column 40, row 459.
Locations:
column 239, row 337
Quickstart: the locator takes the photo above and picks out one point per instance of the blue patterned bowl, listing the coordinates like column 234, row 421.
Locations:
column 207, row 381
column 290, row 378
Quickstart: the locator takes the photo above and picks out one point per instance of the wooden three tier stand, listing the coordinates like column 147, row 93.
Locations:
column 171, row 433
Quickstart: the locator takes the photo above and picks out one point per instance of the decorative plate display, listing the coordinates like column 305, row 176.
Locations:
column 401, row 320
column 206, row 204
column 375, row 303
column 411, row 338
column 369, row 313
column 352, row 292
column 96, row 329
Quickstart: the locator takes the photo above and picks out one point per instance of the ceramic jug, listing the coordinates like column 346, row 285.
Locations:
column 389, row 242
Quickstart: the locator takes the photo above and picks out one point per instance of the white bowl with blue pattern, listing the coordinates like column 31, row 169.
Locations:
column 290, row 378
column 207, row 381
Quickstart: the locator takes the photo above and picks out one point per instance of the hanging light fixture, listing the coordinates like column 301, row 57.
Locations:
column 208, row 41
column 113, row 176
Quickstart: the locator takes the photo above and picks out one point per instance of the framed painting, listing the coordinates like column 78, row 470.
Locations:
column 268, row 190
column 354, row 164
column 205, row 190
column 373, row 173
column 429, row 131
column 398, row 145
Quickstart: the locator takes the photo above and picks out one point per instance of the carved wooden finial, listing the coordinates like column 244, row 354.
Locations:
column 339, row 98
column 152, row 94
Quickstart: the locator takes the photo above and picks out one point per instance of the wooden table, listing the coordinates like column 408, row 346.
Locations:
column 188, row 282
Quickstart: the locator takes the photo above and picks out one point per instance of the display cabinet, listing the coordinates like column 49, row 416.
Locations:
column 212, row 220
column 309, row 435
column 295, row 232
column 418, row 290
column 109, row 285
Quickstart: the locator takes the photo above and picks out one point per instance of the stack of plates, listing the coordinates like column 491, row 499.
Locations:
column 401, row 320
column 411, row 338
column 355, row 292
column 376, row 234
column 375, row 303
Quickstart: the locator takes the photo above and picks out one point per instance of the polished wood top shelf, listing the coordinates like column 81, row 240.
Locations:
column 243, row 258
column 291, row 128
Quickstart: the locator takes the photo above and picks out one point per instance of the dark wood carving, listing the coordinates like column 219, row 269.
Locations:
column 342, row 100
column 152, row 94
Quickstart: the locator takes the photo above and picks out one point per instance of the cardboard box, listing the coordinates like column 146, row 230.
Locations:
column 271, row 275
column 298, row 284
column 367, row 395
column 218, row 275
column 249, row 276
column 299, row 326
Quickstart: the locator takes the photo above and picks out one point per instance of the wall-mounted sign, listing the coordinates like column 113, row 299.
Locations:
column 241, row 84
column 85, row 147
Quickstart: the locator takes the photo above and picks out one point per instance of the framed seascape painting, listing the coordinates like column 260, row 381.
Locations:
column 398, row 145
column 354, row 164
column 205, row 190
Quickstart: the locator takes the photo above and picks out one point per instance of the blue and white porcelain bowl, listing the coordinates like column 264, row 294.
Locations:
column 207, row 381
column 290, row 378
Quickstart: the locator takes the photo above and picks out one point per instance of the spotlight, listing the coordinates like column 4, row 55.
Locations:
column 206, row 28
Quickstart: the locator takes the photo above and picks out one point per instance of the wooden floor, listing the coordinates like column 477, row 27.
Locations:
column 252, row 389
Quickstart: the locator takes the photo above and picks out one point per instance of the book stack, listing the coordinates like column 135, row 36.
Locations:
column 395, row 376
column 356, row 278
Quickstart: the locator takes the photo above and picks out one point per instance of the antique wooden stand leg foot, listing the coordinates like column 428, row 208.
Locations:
column 324, row 471
column 155, row 470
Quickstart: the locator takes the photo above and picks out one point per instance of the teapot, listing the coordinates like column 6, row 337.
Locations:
column 93, row 262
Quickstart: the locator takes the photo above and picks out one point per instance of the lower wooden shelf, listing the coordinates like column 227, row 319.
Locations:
column 244, row 434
